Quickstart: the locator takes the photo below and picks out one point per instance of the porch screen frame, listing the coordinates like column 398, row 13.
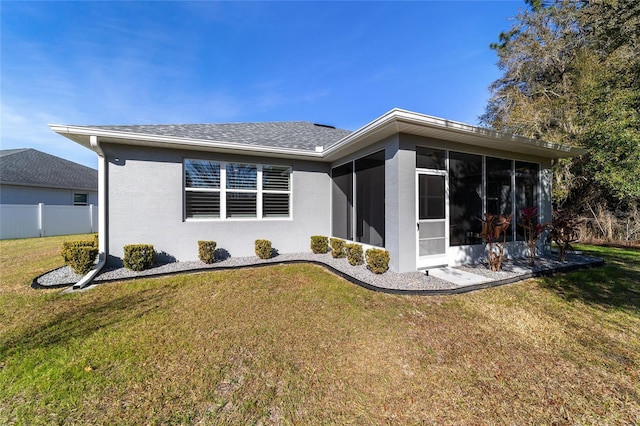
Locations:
column 356, row 185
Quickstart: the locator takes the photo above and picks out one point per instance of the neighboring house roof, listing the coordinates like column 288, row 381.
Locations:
column 29, row 167
column 307, row 140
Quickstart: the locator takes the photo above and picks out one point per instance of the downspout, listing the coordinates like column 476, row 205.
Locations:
column 102, row 216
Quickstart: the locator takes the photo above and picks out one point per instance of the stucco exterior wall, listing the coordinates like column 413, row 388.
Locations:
column 146, row 193
column 400, row 208
column 17, row 194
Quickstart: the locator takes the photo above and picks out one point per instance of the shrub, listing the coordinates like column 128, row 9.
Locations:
column 319, row 244
column 138, row 257
column 337, row 247
column 79, row 255
column 69, row 247
column 354, row 252
column 263, row 249
column 207, row 251
column 378, row 260
column 95, row 241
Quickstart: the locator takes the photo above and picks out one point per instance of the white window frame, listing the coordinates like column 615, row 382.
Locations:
column 223, row 190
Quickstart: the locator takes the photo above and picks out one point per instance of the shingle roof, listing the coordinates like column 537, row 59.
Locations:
column 289, row 134
column 34, row 168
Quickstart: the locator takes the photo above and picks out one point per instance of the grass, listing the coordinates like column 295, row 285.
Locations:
column 295, row 344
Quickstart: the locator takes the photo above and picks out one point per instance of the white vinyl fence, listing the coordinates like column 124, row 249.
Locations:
column 26, row 221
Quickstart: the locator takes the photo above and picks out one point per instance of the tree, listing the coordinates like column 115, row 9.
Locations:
column 571, row 74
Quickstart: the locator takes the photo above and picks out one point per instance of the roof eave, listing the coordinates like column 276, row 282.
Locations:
column 402, row 121
column 393, row 122
column 81, row 135
column 50, row 186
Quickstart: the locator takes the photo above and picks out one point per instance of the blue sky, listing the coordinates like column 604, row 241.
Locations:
column 337, row 63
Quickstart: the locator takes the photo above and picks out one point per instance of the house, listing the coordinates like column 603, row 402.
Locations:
column 28, row 176
column 413, row 184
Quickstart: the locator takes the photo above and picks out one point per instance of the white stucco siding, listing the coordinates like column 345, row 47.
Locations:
column 146, row 205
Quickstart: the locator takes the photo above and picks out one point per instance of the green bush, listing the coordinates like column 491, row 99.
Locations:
column 138, row 257
column 79, row 255
column 319, row 244
column 354, row 253
column 337, row 247
column 207, row 251
column 95, row 241
column 377, row 260
column 69, row 248
column 263, row 249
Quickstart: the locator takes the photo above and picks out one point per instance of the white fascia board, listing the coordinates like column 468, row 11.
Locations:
column 81, row 133
column 392, row 121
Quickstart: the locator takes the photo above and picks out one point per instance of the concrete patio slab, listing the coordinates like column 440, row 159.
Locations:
column 458, row 277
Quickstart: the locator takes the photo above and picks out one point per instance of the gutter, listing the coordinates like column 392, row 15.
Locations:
column 102, row 216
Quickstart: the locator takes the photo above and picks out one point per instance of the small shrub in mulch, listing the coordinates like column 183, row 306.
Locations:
column 319, row 244
column 377, row 260
column 138, row 257
column 263, row 249
column 355, row 254
column 207, row 251
column 337, row 247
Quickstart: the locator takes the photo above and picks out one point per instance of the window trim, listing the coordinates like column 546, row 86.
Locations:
column 223, row 191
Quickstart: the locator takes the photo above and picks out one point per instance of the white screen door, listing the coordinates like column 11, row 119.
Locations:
column 432, row 226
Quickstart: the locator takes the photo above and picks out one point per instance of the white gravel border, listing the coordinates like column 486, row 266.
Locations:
column 406, row 281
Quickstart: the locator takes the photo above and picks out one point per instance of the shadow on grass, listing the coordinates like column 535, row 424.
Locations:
column 616, row 285
column 80, row 322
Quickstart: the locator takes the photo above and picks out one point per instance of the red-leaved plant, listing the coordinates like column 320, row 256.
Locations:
column 563, row 230
column 532, row 231
column 494, row 234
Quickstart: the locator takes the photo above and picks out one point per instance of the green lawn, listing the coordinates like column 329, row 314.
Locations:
column 295, row 344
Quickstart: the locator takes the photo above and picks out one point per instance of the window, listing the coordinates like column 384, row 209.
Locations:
column 275, row 191
column 242, row 190
column 80, row 199
column 202, row 188
column 465, row 199
column 236, row 190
